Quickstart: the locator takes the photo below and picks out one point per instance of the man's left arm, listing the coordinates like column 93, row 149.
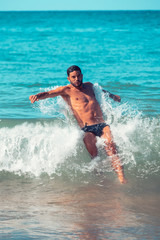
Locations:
column 114, row 97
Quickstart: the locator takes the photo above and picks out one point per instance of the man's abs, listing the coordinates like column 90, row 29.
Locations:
column 88, row 115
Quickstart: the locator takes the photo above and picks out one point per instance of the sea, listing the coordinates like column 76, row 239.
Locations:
column 50, row 188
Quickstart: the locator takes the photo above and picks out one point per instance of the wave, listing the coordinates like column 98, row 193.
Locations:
column 55, row 146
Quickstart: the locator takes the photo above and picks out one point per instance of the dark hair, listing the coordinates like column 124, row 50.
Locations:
column 72, row 69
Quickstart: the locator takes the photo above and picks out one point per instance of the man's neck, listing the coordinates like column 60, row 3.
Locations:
column 80, row 88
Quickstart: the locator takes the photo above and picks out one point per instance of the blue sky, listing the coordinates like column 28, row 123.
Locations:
column 79, row 5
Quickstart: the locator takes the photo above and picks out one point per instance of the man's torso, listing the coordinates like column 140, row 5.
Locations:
column 84, row 105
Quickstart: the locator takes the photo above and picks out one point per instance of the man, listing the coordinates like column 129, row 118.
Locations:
column 81, row 99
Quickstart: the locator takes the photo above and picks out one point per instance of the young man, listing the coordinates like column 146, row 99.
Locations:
column 81, row 99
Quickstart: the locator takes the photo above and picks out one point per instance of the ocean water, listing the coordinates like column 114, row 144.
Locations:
column 49, row 186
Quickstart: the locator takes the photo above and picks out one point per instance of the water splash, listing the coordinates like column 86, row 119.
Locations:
column 56, row 147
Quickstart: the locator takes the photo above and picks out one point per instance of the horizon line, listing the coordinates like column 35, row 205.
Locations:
column 76, row 10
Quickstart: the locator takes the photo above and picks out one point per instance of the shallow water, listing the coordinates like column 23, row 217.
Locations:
column 102, row 209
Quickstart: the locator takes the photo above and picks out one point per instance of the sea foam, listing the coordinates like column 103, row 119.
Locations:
column 57, row 146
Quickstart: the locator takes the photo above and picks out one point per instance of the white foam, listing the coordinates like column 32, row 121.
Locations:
column 44, row 147
column 137, row 137
column 36, row 148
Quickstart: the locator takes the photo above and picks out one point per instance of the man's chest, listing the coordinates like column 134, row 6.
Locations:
column 81, row 98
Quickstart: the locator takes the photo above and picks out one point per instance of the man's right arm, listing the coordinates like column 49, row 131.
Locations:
column 43, row 95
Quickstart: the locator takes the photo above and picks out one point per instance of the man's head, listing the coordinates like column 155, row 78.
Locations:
column 75, row 76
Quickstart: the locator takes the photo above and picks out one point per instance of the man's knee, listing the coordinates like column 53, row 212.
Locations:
column 109, row 142
column 110, row 148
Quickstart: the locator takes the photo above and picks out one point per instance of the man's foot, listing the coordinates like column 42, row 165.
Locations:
column 122, row 179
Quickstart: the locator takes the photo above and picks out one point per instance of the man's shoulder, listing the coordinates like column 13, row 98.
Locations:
column 61, row 90
column 66, row 89
column 88, row 84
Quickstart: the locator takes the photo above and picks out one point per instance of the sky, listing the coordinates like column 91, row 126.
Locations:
column 32, row 5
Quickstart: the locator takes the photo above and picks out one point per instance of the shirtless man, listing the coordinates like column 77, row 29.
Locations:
column 81, row 99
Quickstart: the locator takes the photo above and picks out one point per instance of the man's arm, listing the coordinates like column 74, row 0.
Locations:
column 43, row 95
column 114, row 97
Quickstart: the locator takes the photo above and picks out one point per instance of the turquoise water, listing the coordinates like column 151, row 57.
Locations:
column 119, row 50
column 49, row 188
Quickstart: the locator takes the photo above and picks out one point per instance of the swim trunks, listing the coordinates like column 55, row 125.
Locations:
column 96, row 129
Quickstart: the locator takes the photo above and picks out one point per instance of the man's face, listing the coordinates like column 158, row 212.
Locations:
column 75, row 78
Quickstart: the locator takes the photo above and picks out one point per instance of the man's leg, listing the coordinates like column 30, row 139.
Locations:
column 111, row 151
column 90, row 143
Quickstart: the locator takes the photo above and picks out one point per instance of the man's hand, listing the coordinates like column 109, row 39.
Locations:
column 116, row 98
column 33, row 98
